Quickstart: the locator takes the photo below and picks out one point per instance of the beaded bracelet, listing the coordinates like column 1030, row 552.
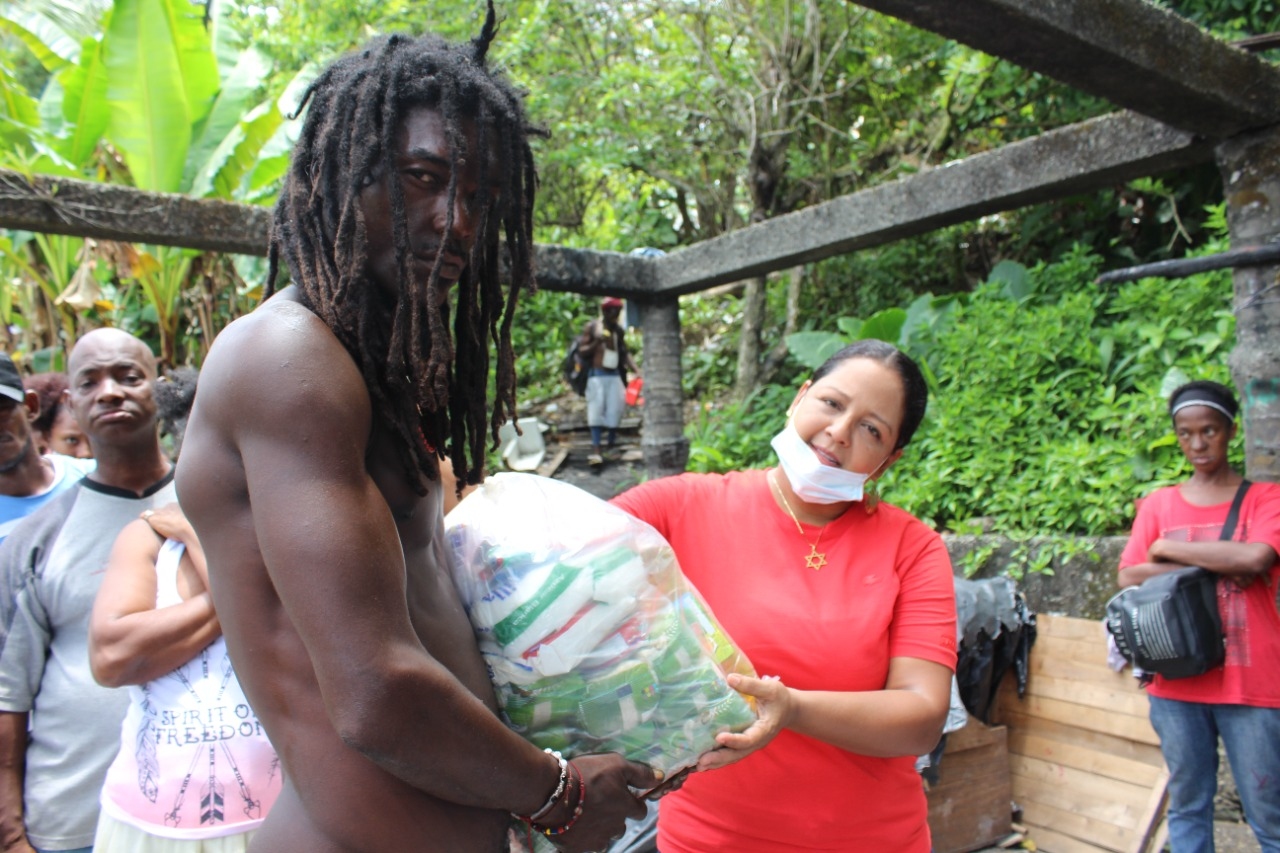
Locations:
column 551, row 832
column 555, row 795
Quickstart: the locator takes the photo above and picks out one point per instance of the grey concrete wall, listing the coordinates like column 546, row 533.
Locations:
column 1078, row 586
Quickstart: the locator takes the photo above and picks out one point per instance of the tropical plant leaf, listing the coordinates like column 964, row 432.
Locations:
column 84, row 103
column 150, row 116
column 884, row 325
column 224, row 119
column 813, row 348
column 51, row 45
column 19, row 112
column 224, row 172
column 1017, row 284
column 195, row 55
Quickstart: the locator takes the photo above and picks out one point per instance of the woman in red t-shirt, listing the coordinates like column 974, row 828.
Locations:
column 1239, row 701
column 846, row 608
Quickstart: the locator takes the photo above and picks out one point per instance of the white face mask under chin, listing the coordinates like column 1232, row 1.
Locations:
column 812, row 481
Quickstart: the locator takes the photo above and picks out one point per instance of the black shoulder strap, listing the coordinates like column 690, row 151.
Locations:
column 1233, row 514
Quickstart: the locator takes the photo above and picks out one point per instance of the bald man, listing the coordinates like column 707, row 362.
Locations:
column 59, row 730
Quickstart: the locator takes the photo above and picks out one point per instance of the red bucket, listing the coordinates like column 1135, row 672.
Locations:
column 633, row 392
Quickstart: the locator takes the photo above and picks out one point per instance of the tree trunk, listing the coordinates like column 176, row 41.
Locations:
column 778, row 354
column 1250, row 166
column 666, row 450
column 753, row 311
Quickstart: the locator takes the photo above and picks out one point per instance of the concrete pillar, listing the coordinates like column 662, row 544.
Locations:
column 1250, row 166
column 666, row 449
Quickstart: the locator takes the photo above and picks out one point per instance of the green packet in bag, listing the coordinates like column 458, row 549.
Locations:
column 593, row 638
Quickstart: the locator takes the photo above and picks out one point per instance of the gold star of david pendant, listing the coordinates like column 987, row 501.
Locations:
column 816, row 560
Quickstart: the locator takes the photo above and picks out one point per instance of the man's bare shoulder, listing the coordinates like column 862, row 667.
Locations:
column 281, row 361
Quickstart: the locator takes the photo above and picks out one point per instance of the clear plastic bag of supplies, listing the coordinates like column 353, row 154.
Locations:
column 594, row 640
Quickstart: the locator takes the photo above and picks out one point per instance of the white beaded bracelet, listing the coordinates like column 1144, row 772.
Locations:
column 555, row 795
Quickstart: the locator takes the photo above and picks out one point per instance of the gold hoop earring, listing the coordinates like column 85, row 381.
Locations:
column 871, row 497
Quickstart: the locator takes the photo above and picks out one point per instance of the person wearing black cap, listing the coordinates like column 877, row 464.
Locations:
column 1239, row 701
column 603, row 346
column 28, row 480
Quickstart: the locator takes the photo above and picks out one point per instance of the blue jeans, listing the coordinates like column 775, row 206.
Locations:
column 77, row 850
column 1189, row 733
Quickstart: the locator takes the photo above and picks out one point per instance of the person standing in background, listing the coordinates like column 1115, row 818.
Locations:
column 1237, row 702
column 29, row 479
column 59, row 729
column 603, row 346
column 55, row 426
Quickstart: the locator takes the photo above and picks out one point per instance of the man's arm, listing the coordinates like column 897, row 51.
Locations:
column 13, row 762
column 301, row 423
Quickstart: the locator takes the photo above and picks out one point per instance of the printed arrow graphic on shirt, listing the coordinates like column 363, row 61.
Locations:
column 252, row 807
column 174, row 817
column 211, row 795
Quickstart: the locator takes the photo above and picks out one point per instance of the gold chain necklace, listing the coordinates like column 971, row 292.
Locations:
column 816, row 559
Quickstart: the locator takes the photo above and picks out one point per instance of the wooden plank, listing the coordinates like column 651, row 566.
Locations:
column 548, row 468
column 1068, row 627
column 1092, row 719
column 1161, row 837
column 1071, row 648
column 1085, row 763
column 1100, row 741
column 1152, row 819
column 1113, row 698
column 1096, row 671
column 1046, row 806
column 970, row 806
column 974, row 734
column 1099, row 833
column 1097, row 762
column 1095, row 795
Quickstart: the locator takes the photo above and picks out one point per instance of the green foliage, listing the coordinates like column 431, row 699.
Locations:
column 734, row 435
column 154, row 93
column 548, row 322
column 1047, row 414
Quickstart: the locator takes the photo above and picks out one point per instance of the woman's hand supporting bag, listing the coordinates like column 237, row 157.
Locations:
column 900, row 720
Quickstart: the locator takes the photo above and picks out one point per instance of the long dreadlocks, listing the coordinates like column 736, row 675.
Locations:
column 428, row 385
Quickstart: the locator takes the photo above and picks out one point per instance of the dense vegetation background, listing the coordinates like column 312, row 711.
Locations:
column 671, row 122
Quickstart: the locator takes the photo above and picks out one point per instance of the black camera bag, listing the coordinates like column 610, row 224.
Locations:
column 1170, row 624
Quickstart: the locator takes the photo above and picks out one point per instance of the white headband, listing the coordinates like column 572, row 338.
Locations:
column 1183, row 404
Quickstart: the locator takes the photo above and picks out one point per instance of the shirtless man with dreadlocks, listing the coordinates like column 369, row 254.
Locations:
column 311, row 468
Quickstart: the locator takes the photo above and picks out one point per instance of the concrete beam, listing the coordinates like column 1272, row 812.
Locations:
column 1082, row 157
column 1136, row 55
column 593, row 273
column 106, row 212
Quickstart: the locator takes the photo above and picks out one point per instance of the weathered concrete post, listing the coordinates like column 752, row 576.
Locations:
column 666, row 450
column 1250, row 166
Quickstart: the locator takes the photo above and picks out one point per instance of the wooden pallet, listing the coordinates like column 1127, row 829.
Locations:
column 1085, row 763
column 969, row 807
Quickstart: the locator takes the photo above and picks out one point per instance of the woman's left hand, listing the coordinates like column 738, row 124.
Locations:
column 169, row 522
column 773, row 702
